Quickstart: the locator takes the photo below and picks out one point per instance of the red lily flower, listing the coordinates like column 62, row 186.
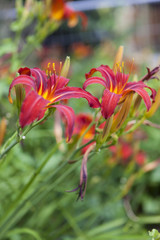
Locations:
column 124, row 152
column 43, row 91
column 60, row 11
column 82, row 121
column 117, row 88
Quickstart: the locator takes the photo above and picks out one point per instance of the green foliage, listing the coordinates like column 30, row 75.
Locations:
column 121, row 201
column 154, row 234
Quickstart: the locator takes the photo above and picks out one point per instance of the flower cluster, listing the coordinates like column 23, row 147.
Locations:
column 117, row 88
column 38, row 92
column 44, row 91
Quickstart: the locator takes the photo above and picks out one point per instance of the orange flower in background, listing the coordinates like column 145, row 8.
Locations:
column 61, row 11
column 81, row 50
column 82, row 121
column 3, row 125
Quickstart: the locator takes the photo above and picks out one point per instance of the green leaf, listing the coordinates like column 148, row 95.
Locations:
column 28, row 231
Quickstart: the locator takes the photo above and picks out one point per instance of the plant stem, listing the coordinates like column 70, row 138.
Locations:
column 9, row 144
column 14, row 205
column 5, row 222
column 135, row 126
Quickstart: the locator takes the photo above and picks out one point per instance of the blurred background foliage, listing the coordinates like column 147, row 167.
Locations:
column 122, row 201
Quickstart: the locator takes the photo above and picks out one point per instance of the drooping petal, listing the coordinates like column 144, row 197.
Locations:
column 74, row 92
column 109, row 103
column 138, row 87
column 140, row 84
column 22, row 79
column 33, row 108
column 92, row 80
column 144, row 94
column 70, row 117
column 107, row 73
column 153, row 92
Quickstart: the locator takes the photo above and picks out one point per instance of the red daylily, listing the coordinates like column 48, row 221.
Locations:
column 128, row 148
column 60, row 11
column 117, row 88
column 43, row 91
column 124, row 152
column 82, row 121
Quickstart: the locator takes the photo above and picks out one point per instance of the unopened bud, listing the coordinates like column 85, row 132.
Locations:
column 65, row 68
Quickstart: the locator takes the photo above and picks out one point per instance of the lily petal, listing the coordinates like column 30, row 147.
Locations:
column 33, row 108
column 61, row 82
column 40, row 80
column 92, row 80
column 24, row 71
column 74, row 92
column 140, row 84
column 138, row 87
column 70, row 117
column 109, row 103
column 22, row 79
column 144, row 94
column 106, row 72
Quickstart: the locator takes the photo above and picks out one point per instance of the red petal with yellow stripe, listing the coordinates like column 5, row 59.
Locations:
column 109, row 103
column 33, row 108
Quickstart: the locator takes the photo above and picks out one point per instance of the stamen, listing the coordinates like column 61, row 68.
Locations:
column 48, row 65
column 47, row 70
column 50, row 69
column 54, row 68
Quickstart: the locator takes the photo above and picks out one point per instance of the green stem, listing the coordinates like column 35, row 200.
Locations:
column 7, row 219
column 14, row 205
column 9, row 144
column 135, row 126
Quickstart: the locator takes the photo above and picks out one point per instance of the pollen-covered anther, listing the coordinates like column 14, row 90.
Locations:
column 50, row 69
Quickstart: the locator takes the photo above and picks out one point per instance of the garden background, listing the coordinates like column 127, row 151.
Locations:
column 122, row 199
